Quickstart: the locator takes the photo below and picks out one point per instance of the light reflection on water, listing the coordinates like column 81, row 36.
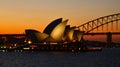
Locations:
column 105, row 58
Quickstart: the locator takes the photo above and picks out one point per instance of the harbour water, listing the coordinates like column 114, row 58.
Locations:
column 108, row 57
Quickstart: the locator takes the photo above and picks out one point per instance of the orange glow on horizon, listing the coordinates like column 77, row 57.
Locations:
column 18, row 15
column 18, row 25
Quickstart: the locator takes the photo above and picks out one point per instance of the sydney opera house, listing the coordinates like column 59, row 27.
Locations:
column 57, row 36
column 56, row 32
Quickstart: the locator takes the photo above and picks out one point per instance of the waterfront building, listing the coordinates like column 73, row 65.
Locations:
column 56, row 32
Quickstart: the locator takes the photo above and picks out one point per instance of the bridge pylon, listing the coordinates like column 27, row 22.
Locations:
column 109, row 39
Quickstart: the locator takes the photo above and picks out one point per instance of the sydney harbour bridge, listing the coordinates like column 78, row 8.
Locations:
column 106, row 25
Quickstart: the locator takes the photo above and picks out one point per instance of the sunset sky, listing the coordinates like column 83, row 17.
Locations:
column 18, row 15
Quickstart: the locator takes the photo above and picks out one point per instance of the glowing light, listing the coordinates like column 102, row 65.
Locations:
column 15, row 44
column 29, row 42
column 53, row 43
column 10, row 47
column 72, row 50
column 25, row 41
column 26, row 48
column 3, row 50
column 44, row 43
column 4, row 47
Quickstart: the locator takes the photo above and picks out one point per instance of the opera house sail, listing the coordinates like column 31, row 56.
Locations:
column 51, row 26
column 57, row 31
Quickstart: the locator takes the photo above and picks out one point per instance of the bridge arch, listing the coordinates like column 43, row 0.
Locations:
column 99, row 22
